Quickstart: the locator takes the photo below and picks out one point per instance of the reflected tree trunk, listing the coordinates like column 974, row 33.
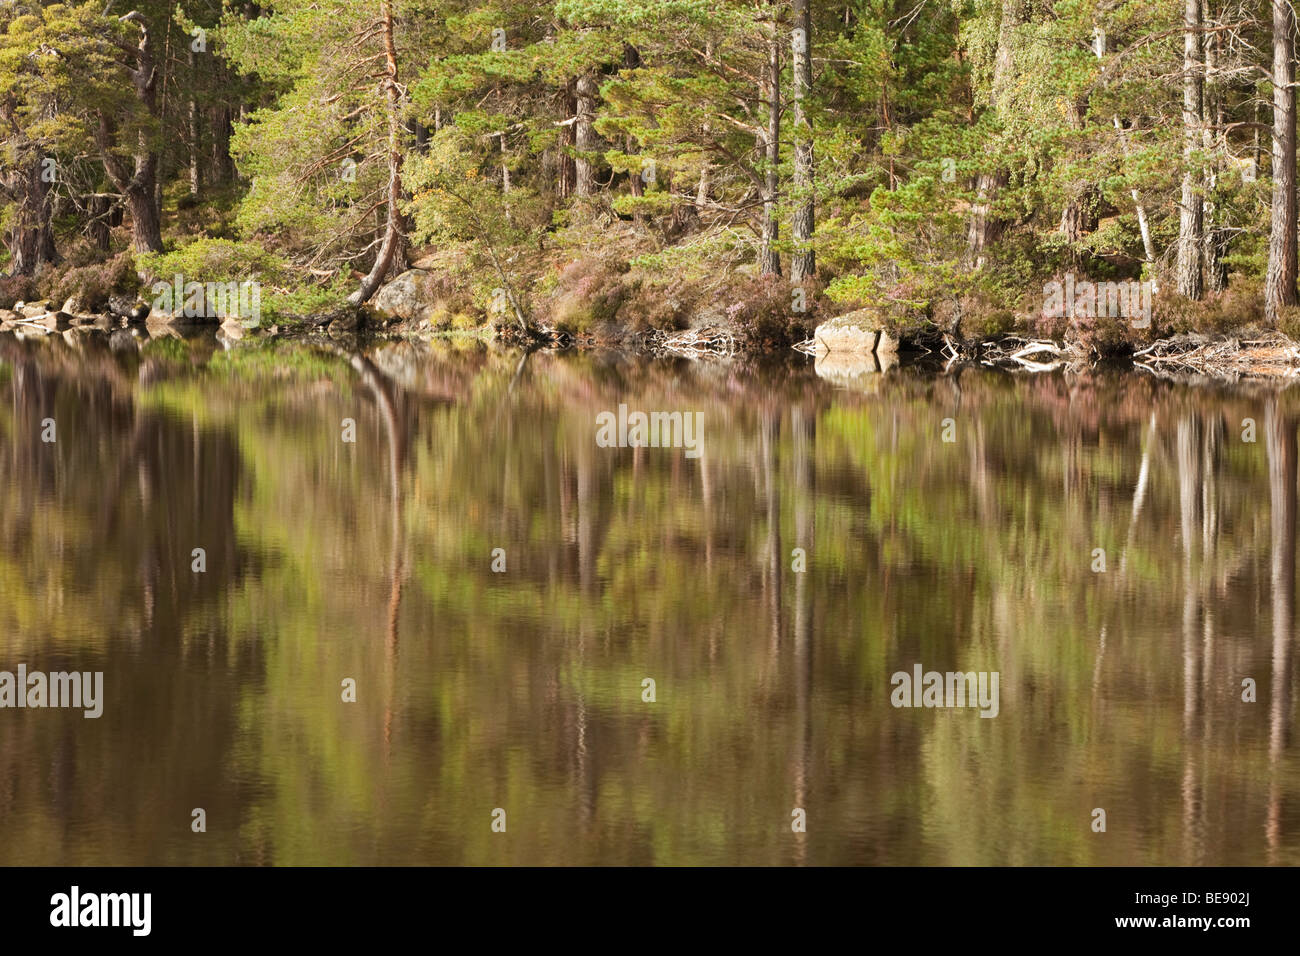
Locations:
column 771, row 433
column 393, row 411
column 803, row 426
column 1189, row 501
column 1280, row 437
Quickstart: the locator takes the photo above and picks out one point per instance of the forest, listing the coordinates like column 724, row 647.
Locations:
column 608, row 168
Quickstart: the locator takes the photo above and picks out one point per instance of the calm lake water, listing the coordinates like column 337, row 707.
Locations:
column 372, row 561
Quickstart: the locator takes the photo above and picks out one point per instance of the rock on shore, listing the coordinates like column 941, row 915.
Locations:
column 853, row 344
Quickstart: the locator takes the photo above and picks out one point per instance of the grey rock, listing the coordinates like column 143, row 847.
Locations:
column 406, row 297
column 859, row 333
column 128, row 307
column 34, row 310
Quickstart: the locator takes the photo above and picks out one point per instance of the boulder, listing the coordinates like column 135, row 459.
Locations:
column 128, row 307
column 34, row 310
column 408, row 297
column 230, row 332
column 886, row 345
column 846, row 333
column 853, row 339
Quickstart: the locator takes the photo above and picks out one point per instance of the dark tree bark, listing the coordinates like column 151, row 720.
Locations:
column 636, row 184
column 1279, row 283
column 585, row 141
column 222, row 167
column 1077, row 219
column 31, row 232
column 804, row 262
column 137, row 185
column 99, row 226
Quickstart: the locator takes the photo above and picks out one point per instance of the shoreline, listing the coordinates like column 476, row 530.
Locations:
column 1247, row 352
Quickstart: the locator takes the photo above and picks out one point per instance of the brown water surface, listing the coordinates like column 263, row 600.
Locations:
column 372, row 560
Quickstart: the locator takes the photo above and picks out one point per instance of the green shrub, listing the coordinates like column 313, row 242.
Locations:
column 289, row 305
column 213, row 260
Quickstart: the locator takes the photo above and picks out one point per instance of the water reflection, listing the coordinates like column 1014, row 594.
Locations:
column 329, row 560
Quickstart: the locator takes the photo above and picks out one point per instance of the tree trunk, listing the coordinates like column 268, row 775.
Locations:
column 505, row 169
column 393, row 234
column 984, row 227
column 1212, row 125
column 31, row 234
column 636, row 184
column 1216, row 273
column 705, row 184
column 1190, row 212
column 194, row 124
column 137, row 185
column 769, row 259
column 1280, row 441
column 99, row 226
column 585, row 135
column 1148, row 247
column 1279, row 284
column 146, row 222
column 566, row 177
column 803, row 262
column 1077, row 219
column 222, row 168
